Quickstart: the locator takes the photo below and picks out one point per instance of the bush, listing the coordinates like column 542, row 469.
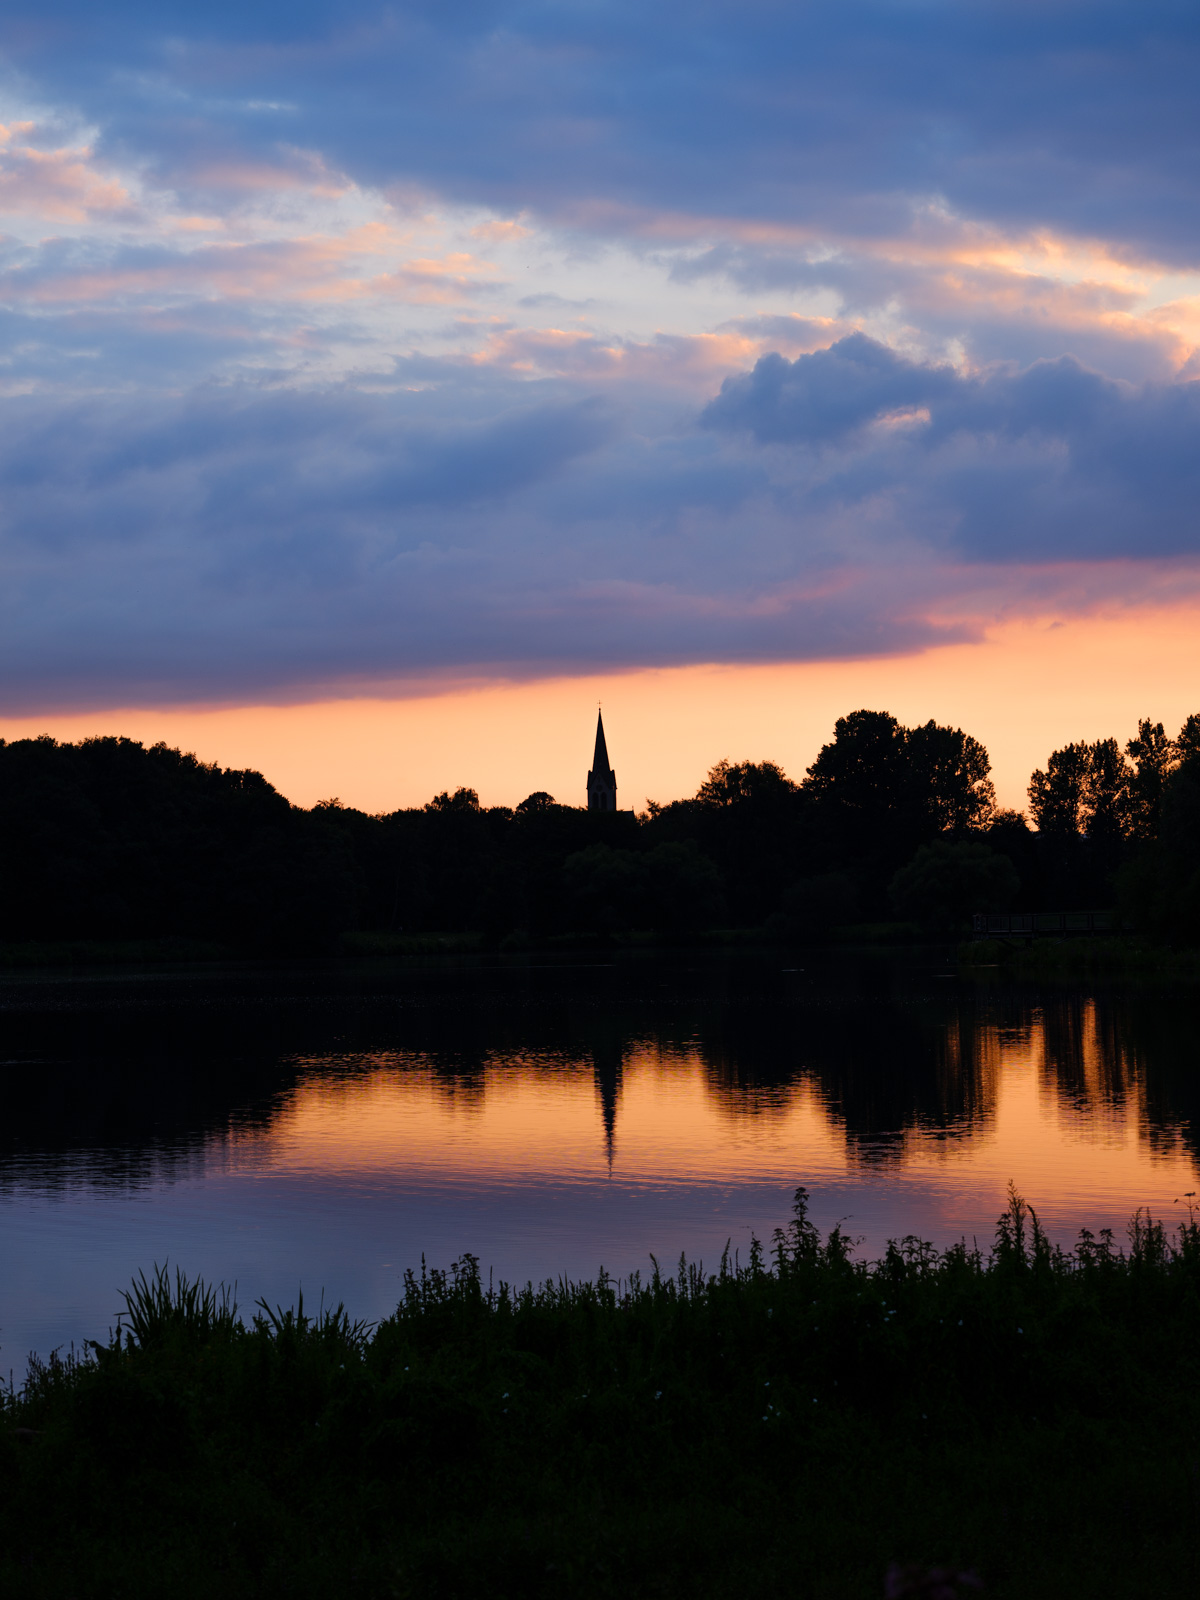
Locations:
column 671, row 888
column 945, row 882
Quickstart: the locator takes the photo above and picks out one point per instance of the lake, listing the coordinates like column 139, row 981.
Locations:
column 320, row 1127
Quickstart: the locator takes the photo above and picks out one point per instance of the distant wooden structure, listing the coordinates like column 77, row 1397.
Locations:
column 1040, row 924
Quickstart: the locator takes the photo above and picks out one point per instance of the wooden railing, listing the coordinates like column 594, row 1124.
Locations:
column 1030, row 924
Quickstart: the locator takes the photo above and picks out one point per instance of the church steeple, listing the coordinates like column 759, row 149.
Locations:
column 601, row 780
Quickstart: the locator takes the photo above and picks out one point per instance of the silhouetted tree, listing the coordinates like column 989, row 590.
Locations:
column 948, row 778
column 1102, row 817
column 108, row 839
column 1108, row 794
column 1159, row 890
column 1188, row 742
column 462, row 800
column 1154, row 758
column 606, row 888
column 934, row 777
column 1058, row 797
column 745, row 818
column 1086, row 790
column 879, row 790
column 863, row 770
column 745, row 783
column 684, row 888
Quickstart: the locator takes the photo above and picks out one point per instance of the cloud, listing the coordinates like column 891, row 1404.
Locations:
column 500, row 229
column 853, row 117
column 235, row 542
column 676, row 359
column 342, row 342
column 57, row 185
column 241, row 542
column 868, row 163
column 1043, row 464
column 998, row 298
column 329, row 267
column 826, row 396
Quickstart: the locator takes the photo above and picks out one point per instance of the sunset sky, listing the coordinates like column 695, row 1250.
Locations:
column 383, row 385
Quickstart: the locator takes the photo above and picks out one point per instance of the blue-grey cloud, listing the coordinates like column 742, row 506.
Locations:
column 828, row 395
column 1050, row 463
column 237, row 542
column 1067, row 115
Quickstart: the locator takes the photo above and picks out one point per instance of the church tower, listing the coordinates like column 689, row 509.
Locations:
column 602, row 780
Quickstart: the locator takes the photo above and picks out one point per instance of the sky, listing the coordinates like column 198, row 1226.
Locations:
column 383, row 386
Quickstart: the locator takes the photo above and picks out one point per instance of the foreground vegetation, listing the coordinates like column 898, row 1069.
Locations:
column 787, row 1426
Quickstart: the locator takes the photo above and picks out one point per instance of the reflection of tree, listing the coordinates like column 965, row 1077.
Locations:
column 1158, row 1033
column 129, row 1083
column 1128, row 1051
column 883, row 1063
column 1086, row 1053
column 463, row 1044
column 130, row 1122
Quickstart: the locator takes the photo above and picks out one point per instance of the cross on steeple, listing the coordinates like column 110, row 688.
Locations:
column 601, row 780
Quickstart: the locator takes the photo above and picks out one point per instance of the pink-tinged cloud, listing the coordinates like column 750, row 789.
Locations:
column 55, row 185
column 293, row 169
column 312, row 268
column 426, row 281
column 500, row 231
column 686, row 361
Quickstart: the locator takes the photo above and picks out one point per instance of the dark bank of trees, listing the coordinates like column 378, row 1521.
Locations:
column 108, row 840
column 1122, row 824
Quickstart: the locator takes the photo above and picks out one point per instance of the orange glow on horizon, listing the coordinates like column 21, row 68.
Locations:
column 1025, row 689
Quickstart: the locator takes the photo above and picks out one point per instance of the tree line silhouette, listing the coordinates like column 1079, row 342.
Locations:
column 109, row 840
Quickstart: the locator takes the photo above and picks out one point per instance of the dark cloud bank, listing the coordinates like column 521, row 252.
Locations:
column 240, row 542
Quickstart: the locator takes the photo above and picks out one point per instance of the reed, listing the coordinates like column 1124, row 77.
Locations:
column 158, row 1309
column 797, row 1421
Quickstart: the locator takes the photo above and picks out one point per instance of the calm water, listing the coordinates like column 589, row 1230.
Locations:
column 324, row 1127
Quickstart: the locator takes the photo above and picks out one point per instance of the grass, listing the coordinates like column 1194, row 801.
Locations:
column 409, row 944
column 110, row 952
column 794, row 1425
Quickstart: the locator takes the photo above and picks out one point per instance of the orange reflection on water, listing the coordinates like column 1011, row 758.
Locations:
column 1062, row 1113
column 1077, row 1146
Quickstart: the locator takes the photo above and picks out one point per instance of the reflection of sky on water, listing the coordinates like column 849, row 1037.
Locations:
column 553, row 1124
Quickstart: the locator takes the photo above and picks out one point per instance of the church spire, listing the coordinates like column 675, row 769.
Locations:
column 600, row 759
column 601, row 780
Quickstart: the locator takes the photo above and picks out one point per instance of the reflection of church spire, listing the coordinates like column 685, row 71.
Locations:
column 601, row 780
column 607, row 1061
